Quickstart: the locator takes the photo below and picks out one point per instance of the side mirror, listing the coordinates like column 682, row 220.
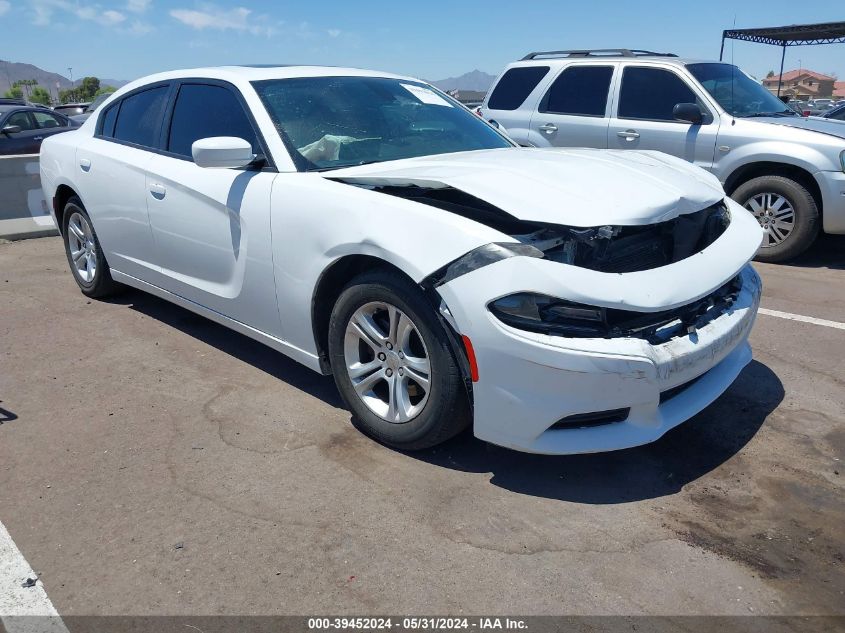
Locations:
column 222, row 152
column 11, row 129
column 689, row 112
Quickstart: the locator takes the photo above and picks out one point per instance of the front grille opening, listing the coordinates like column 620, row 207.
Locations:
column 594, row 418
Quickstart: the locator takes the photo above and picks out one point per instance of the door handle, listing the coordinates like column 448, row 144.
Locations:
column 84, row 164
column 629, row 135
column 158, row 191
column 548, row 128
column 38, row 138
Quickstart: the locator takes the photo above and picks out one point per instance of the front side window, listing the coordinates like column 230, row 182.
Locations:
column 331, row 122
column 736, row 92
column 47, row 120
column 652, row 94
column 579, row 90
column 140, row 116
column 22, row 120
column 203, row 111
column 515, row 86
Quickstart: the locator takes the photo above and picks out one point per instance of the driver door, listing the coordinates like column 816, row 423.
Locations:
column 211, row 226
column 642, row 117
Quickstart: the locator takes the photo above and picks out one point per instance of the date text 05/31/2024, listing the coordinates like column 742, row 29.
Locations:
column 416, row 623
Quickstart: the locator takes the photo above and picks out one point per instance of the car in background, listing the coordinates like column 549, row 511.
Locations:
column 371, row 227
column 22, row 128
column 786, row 169
column 71, row 109
column 837, row 113
column 89, row 110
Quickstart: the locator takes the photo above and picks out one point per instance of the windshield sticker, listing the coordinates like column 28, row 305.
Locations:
column 426, row 96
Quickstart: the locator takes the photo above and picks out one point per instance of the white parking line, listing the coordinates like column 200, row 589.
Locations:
column 802, row 318
column 17, row 600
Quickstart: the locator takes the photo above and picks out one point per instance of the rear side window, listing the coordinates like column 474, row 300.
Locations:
column 202, row 111
column 139, row 119
column 652, row 93
column 515, row 86
column 109, row 119
column 579, row 90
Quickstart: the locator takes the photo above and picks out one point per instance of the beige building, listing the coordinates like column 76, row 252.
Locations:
column 801, row 84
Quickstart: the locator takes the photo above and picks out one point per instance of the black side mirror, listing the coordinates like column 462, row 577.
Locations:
column 11, row 129
column 689, row 112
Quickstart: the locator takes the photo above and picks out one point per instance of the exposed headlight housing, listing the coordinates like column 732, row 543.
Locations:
column 536, row 312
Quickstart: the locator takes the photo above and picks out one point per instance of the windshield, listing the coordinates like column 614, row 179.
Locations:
column 736, row 92
column 331, row 122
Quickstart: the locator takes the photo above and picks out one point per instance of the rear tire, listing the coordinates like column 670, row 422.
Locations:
column 84, row 253
column 393, row 363
column 786, row 211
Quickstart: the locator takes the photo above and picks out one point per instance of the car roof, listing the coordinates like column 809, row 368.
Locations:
column 257, row 72
column 678, row 61
column 7, row 107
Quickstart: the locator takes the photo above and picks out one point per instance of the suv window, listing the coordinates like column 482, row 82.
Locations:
column 47, row 120
column 515, row 86
column 22, row 120
column 580, row 90
column 139, row 119
column 204, row 110
column 652, row 93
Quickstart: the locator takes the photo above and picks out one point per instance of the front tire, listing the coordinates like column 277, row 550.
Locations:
column 84, row 253
column 393, row 364
column 786, row 211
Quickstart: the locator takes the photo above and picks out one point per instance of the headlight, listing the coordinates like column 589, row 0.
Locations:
column 536, row 312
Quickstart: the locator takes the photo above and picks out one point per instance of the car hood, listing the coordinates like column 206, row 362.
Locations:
column 813, row 124
column 575, row 187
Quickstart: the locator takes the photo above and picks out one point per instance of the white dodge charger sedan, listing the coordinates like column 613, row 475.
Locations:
column 369, row 226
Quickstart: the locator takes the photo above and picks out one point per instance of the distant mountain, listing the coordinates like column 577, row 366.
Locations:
column 474, row 80
column 11, row 72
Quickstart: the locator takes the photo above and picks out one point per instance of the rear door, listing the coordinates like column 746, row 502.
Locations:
column 212, row 226
column 574, row 110
column 112, row 178
column 643, row 115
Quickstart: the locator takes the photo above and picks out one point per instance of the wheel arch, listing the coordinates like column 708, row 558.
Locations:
column 60, row 198
column 749, row 171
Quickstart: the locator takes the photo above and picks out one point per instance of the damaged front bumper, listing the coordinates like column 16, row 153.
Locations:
column 551, row 394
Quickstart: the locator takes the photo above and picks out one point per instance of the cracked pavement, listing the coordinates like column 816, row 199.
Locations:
column 153, row 462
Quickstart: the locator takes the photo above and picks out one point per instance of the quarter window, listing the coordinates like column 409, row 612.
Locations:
column 204, row 110
column 139, row 119
column 652, row 93
column 109, row 118
column 515, row 86
column 579, row 90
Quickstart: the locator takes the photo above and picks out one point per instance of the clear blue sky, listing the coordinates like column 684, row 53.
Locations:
column 125, row 39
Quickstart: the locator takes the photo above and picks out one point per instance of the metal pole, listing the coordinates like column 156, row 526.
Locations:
column 780, row 77
column 722, row 50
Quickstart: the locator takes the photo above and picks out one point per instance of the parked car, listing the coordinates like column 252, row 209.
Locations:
column 23, row 128
column 837, row 113
column 89, row 109
column 71, row 109
column 789, row 171
column 371, row 227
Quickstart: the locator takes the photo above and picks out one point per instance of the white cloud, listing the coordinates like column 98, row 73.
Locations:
column 211, row 17
column 138, row 6
column 44, row 9
column 4, row 6
column 333, row 32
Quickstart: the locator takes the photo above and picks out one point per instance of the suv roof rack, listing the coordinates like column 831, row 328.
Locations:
column 597, row 52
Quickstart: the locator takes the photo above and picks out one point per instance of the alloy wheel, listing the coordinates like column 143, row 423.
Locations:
column 775, row 214
column 83, row 249
column 387, row 362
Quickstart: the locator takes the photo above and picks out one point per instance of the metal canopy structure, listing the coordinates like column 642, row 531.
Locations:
column 783, row 36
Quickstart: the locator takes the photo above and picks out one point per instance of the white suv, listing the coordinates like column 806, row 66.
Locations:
column 787, row 170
